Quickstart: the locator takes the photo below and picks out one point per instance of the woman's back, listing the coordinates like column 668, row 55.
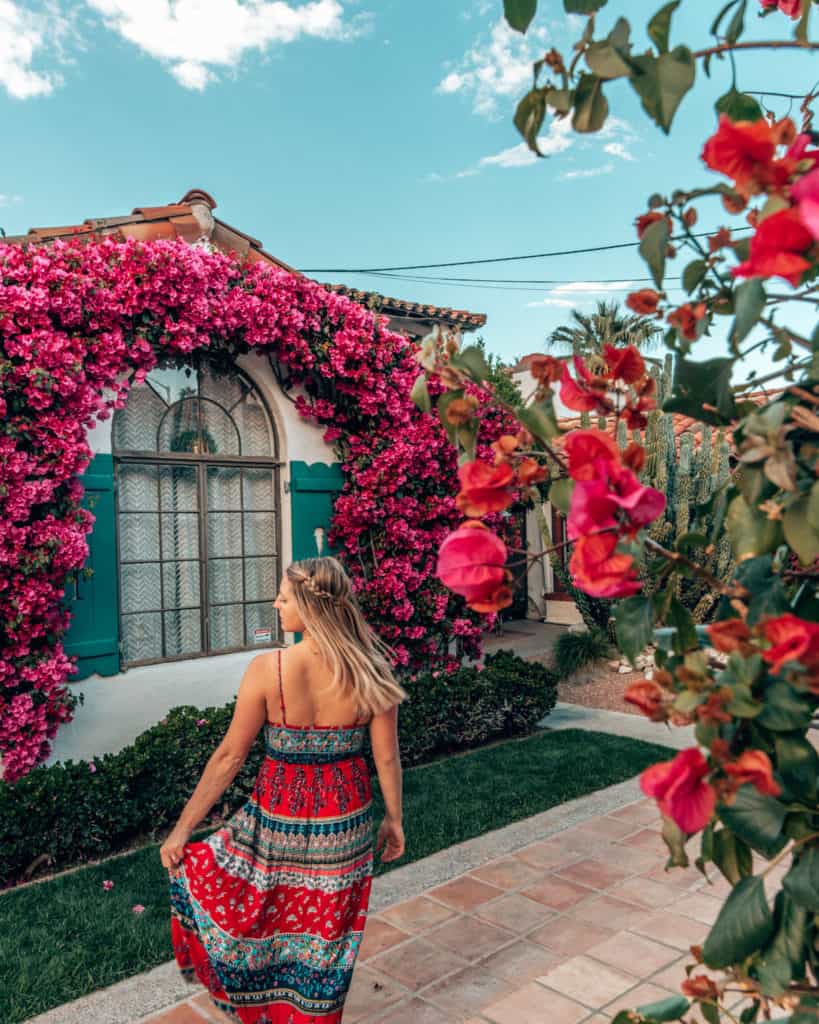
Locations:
column 304, row 695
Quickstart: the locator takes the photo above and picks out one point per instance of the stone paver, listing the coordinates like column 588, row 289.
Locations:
column 566, row 929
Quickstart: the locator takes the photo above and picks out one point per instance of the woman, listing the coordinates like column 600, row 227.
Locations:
column 269, row 911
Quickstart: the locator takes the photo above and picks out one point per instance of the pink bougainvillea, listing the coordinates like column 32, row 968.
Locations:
column 79, row 322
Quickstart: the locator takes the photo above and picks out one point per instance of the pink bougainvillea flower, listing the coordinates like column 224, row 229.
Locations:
column 806, row 194
column 754, row 767
column 484, row 488
column 584, row 447
column 92, row 767
column 792, row 639
column 614, row 498
column 138, row 908
column 681, row 790
column 201, row 721
column 600, row 572
column 471, row 562
column 793, row 8
column 778, row 248
column 108, row 884
column 581, row 398
column 625, row 364
column 641, row 504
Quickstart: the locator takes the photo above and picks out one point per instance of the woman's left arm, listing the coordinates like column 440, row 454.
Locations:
column 226, row 761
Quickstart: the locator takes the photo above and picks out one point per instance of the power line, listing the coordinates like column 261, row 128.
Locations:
column 494, row 259
column 512, row 286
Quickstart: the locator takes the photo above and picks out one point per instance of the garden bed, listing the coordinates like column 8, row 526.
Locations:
column 67, row 936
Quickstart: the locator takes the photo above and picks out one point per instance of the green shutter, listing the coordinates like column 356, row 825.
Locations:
column 313, row 489
column 93, row 635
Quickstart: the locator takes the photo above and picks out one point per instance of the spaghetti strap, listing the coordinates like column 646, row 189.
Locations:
column 281, row 691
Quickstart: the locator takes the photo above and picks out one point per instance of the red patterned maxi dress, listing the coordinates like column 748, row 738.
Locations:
column 269, row 911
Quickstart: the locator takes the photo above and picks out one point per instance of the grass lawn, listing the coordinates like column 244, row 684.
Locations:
column 63, row 938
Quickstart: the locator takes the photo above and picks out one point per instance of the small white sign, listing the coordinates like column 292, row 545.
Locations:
column 262, row 636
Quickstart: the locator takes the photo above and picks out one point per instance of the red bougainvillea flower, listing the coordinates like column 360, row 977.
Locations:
column 712, row 712
column 686, row 319
column 792, row 639
column 754, row 767
column 471, row 562
column 719, row 240
column 530, row 471
column 649, row 697
column 681, row 790
column 645, row 220
column 585, row 394
column 700, row 987
column 777, row 248
column 595, row 502
column 484, row 488
column 806, row 194
column 584, row 448
column 745, row 151
column 644, row 302
column 546, row 369
column 793, row 8
column 625, row 364
column 729, row 635
column 634, row 456
column 598, row 571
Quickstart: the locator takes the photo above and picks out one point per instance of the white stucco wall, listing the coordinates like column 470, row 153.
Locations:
column 118, row 708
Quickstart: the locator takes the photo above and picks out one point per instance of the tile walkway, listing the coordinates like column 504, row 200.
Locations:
column 565, row 930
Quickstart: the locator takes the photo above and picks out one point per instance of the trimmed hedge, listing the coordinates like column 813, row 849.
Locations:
column 66, row 814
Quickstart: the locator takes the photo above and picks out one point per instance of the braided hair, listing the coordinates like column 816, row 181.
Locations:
column 360, row 661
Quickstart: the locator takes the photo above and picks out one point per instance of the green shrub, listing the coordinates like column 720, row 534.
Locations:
column 67, row 814
column 574, row 650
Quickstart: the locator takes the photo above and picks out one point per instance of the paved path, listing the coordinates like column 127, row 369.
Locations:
column 561, row 918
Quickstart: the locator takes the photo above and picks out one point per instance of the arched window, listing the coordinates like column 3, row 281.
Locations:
column 197, row 486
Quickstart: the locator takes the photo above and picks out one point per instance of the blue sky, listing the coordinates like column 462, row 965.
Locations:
column 350, row 133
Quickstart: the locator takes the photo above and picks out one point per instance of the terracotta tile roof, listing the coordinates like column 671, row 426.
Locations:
column 192, row 220
column 414, row 310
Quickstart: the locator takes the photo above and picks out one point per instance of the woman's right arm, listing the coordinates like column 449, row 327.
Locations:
column 387, row 757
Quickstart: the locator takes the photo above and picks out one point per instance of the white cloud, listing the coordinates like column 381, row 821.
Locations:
column 617, row 149
column 193, row 38
column 580, row 293
column 27, row 36
column 558, row 140
column 588, row 172
column 496, row 67
column 8, row 200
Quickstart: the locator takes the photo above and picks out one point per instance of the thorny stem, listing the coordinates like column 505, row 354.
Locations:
column 786, row 330
column 786, row 44
column 788, row 850
column 768, row 376
column 729, row 590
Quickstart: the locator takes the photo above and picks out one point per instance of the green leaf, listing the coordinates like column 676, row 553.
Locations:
column 591, row 108
column 539, row 424
column 739, row 106
column 529, row 116
column 800, row 534
column 745, row 924
column 732, row 855
column 801, row 31
column 797, row 764
column 560, row 494
column 660, row 26
column 519, row 13
column 802, row 881
column 783, row 959
column 583, row 6
column 634, row 625
column 736, row 25
column 604, row 60
column 756, row 819
column 784, row 710
column 673, row 1008
column 661, row 82
column 472, row 360
column 693, row 274
column 703, row 390
column 443, row 403
column 710, row 1012
column 685, row 637
column 674, row 839
column 749, row 303
column 420, row 393
column 813, row 506
column 653, row 246
column 750, row 531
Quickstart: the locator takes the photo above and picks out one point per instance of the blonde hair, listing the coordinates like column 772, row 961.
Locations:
column 357, row 656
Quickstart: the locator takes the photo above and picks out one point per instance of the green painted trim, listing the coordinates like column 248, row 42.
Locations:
column 93, row 634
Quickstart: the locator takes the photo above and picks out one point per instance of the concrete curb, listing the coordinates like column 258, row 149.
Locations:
column 130, row 1001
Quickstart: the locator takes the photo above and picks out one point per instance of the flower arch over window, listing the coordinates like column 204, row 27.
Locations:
column 77, row 318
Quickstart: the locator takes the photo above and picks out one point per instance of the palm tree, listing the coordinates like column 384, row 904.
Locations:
column 587, row 334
